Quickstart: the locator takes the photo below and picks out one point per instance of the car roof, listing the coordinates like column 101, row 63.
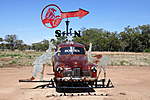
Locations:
column 74, row 44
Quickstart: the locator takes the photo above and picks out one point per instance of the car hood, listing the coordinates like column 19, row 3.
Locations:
column 72, row 60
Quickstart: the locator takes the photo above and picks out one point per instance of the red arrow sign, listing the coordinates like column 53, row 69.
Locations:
column 52, row 15
column 80, row 13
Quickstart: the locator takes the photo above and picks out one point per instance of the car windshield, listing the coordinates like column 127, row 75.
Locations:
column 71, row 50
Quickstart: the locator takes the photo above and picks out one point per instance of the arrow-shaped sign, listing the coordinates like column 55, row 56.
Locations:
column 80, row 13
column 51, row 20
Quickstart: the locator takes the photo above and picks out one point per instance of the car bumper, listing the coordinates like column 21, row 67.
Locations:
column 82, row 79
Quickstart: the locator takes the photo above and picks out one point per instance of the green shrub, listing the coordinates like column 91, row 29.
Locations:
column 13, row 62
column 147, row 50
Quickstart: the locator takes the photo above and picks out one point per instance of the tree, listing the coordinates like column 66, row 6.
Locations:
column 41, row 46
column 92, row 35
column 1, row 39
column 135, row 39
column 102, row 40
column 113, row 43
column 145, row 31
column 11, row 40
column 1, row 44
column 19, row 44
column 59, row 40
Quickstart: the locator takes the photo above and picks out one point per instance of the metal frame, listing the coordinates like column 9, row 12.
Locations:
column 103, row 83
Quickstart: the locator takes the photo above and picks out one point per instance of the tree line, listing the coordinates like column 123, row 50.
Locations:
column 131, row 39
column 11, row 42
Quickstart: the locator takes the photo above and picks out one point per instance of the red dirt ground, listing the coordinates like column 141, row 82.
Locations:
column 131, row 83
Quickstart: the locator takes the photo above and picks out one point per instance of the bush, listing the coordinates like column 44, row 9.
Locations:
column 147, row 50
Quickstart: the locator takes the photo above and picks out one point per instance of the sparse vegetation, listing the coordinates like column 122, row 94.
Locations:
column 26, row 58
column 18, row 58
column 127, row 59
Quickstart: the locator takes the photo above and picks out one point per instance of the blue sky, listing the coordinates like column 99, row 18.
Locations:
column 22, row 17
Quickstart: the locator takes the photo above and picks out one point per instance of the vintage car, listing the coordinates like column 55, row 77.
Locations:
column 70, row 64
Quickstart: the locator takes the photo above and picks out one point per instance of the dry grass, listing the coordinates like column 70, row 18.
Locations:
column 17, row 58
column 127, row 58
column 26, row 58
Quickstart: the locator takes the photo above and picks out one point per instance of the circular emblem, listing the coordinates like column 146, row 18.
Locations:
column 51, row 16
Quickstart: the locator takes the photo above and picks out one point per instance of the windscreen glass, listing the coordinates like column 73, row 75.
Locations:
column 71, row 50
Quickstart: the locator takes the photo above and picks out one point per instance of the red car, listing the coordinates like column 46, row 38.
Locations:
column 72, row 70
column 71, row 64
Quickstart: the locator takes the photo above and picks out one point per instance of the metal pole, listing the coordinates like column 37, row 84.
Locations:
column 67, row 27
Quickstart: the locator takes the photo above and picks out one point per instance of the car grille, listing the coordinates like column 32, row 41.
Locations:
column 75, row 72
column 86, row 73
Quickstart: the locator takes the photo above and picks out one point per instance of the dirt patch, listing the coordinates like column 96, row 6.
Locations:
column 5, row 59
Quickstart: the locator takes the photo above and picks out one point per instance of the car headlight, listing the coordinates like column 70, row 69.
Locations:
column 94, row 69
column 59, row 69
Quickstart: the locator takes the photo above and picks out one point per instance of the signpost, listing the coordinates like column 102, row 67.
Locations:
column 51, row 17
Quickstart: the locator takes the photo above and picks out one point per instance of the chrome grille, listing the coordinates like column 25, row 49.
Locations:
column 85, row 73
column 67, row 73
column 75, row 72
